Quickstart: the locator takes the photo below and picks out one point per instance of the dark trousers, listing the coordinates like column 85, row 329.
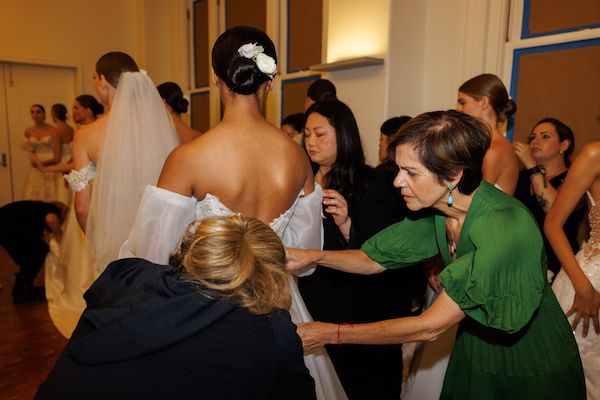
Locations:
column 29, row 253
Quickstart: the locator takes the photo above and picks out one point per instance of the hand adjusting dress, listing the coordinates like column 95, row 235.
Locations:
column 515, row 341
column 164, row 216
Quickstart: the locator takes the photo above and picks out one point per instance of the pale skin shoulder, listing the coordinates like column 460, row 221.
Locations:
column 584, row 174
column 500, row 164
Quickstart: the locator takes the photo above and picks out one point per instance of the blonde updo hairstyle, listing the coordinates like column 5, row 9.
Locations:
column 239, row 259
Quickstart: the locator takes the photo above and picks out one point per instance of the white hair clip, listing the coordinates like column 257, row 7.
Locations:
column 265, row 63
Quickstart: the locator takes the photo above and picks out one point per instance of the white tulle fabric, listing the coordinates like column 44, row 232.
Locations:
column 139, row 137
column 164, row 216
column 588, row 259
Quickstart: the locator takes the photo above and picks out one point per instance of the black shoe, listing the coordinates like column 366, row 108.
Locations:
column 28, row 294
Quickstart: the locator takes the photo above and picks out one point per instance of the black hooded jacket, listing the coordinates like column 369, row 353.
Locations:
column 148, row 334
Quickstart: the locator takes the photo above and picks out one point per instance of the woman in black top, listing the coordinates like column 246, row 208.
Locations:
column 546, row 160
column 357, row 203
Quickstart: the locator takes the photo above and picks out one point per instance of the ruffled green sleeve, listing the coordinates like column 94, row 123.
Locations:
column 500, row 283
column 405, row 243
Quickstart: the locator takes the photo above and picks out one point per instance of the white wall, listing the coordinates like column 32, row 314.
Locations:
column 354, row 30
column 72, row 32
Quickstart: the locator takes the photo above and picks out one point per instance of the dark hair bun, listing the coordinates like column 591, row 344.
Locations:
column 179, row 105
column 239, row 73
column 509, row 109
column 244, row 76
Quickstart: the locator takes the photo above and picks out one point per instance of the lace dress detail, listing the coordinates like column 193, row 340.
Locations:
column 40, row 185
column 79, row 180
column 588, row 259
column 211, row 206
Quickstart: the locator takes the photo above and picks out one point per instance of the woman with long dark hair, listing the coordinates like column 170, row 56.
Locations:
column 357, row 203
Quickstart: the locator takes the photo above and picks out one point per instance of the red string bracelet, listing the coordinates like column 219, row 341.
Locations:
column 339, row 339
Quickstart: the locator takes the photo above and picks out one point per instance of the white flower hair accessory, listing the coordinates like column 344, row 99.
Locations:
column 265, row 63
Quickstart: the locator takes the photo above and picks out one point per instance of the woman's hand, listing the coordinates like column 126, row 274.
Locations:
column 317, row 334
column 585, row 306
column 34, row 160
column 337, row 206
column 524, row 154
column 296, row 259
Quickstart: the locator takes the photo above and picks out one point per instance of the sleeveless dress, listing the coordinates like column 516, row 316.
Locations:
column 164, row 216
column 40, row 185
column 69, row 273
column 588, row 259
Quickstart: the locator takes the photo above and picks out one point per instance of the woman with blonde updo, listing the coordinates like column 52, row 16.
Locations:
column 185, row 321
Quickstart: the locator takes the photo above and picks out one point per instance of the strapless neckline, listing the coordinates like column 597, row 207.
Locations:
column 211, row 206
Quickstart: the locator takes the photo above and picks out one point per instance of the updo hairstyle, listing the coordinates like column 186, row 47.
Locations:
column 113, row 64
column 239, row 73
column 173, row 96
column 491, row 86
column 236, row 258
column 447, row 142
column 59, row 111
column 90, row 102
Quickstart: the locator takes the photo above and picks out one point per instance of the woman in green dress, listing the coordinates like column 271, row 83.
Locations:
column 513, row 340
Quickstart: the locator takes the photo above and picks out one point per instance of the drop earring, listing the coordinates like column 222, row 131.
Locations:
column 450, row 199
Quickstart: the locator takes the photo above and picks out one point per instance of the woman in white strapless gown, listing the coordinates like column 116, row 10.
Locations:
column 68, row 273
column 43, row 146
column 244, row 165
column 577, row 285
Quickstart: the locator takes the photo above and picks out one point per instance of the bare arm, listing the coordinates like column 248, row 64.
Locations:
column 544, row 192
column 175, row 175
column 582, row 174
column 353, row 261
column 81, row 160
column 443, row 314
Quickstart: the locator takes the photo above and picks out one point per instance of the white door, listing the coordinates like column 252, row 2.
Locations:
column 25, row 85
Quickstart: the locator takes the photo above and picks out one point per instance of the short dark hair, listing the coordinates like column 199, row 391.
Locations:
column 447, row 142
column 491, row 86
column 40, row 106
column 173, row 96
column 564, row 133
column 90, row 102
column 295, row 120
column 322, row 89
column 239, row 73
column 391, row 126
column 113, row 64
column 60, row 111
column 350, row 159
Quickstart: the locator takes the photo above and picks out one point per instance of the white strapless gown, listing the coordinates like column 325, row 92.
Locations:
column 164, row 216
column 40, row 185
column 588, row 259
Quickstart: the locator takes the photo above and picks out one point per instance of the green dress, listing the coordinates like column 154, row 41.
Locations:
column 515, row 341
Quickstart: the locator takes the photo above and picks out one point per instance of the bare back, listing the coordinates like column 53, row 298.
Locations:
column 86, row 142
column 253, row 169
column 500, row 164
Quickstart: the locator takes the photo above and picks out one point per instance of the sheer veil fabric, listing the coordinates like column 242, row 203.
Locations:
column 139, row 137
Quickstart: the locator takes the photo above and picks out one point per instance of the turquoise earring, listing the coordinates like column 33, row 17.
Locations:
column 450, row 199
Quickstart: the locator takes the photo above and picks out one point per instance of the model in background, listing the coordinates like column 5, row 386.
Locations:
column 177, row 104
column 486, row 98
column 43, row 144
column 546, row 159
column 577, row 285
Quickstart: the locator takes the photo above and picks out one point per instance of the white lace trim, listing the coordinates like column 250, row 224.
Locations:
column 79, row 180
